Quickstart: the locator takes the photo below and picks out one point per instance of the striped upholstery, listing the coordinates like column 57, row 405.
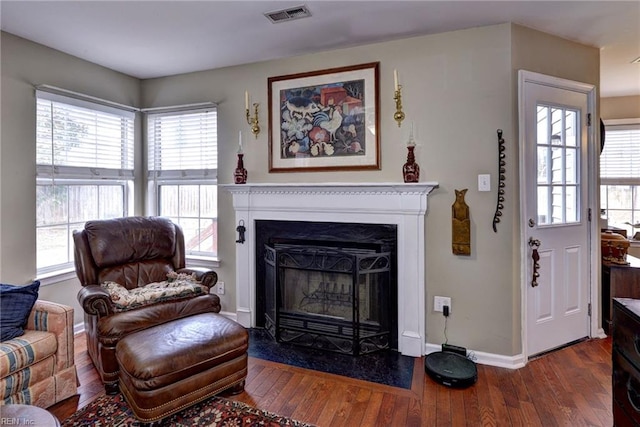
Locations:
column 38, row 368
column 25, row 350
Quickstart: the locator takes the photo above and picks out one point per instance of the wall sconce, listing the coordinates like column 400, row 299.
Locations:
column 252, row 121
column 398, row 116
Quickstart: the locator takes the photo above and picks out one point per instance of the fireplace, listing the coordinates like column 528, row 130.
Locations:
column 327, row 285
column 398, row 205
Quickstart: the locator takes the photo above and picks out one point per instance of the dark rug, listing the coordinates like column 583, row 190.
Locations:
column 385, row 367
column 113, row 411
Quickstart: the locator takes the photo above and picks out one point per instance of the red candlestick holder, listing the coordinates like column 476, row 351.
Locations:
column 411, row 170
column 240, row 174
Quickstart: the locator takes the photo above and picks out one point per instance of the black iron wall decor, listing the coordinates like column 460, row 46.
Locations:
column 501, row 178
column 241, row 230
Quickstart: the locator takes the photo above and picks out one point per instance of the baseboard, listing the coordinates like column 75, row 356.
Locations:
column 497, row 360
column 78, row 328
column 230, row 315
column 600, row 333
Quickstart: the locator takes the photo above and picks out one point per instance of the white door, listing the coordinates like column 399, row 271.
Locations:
column 554, row 160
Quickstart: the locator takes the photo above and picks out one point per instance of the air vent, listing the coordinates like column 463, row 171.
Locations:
column 288, row 14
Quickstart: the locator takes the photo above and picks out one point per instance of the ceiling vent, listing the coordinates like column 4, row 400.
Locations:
column 288, row 14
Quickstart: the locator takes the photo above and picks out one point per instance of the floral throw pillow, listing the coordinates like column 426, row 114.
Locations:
column 174, row 288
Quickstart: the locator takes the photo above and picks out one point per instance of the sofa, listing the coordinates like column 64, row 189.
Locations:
column 37, row 367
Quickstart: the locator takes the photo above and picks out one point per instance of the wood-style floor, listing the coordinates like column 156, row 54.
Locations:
column 568, row 387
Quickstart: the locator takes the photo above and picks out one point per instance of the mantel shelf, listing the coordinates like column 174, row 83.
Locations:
column 340, row 187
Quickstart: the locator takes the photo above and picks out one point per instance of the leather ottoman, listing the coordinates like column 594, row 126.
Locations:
column 169, row 367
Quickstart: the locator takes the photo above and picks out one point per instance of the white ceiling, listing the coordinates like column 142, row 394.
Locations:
column 147, row 39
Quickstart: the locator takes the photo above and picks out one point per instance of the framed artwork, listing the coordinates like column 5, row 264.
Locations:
column 325, row 120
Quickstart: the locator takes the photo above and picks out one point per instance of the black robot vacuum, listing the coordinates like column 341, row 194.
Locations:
column 451, row 369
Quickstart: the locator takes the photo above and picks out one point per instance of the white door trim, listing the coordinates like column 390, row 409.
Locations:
column 592, row 203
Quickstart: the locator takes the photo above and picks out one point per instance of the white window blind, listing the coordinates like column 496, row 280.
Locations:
column 75, row 138
column 183, row 144
column 84, row 164
column 620, row 158
column 182, row 167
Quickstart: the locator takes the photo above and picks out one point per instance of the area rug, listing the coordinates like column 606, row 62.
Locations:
column 113, row 411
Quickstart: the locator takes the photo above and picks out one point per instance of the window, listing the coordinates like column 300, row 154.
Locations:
column 558, row 157
column 183, row 166
column 84, row 163
column 620, row 177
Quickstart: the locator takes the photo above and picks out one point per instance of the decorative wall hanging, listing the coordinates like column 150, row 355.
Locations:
column 535, row 244
column 325, row 120
column 460, row 225
column 501, row 178
column 241, row 229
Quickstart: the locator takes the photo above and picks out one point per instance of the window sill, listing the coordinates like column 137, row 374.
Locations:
column 58, row 276
column 200, row 261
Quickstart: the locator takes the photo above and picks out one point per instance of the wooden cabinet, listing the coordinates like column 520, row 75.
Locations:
column 626, row 362
column 618, row 281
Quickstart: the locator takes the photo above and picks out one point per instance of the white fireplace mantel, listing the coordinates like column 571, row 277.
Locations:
column 403, row 205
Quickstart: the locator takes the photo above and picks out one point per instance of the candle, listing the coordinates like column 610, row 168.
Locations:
column 395, row 79
column 246, row 100
column 411, row 142
column 239, row 142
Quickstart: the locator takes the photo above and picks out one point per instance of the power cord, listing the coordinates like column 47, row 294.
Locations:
column 445, row 312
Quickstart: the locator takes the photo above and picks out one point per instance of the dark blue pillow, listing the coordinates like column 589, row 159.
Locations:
column 16, row 303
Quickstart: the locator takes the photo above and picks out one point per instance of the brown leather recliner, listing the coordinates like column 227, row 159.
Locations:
column 133, row 252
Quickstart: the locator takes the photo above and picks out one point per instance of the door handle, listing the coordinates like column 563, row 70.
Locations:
column 535, row 244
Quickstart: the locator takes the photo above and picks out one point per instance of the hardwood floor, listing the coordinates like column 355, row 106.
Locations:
column 568, row 387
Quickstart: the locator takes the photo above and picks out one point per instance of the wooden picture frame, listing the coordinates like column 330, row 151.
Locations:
column 325, row 120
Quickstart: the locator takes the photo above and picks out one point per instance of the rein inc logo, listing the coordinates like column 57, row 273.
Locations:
column 17, row 421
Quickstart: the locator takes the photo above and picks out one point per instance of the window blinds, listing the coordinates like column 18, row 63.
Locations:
column 79, row 139
column 620, row 159
column 183, row 144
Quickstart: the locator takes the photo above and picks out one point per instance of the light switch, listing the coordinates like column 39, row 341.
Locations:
column 484, row 182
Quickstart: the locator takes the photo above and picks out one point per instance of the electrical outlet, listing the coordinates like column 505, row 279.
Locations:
column 439, row 302
column 220, row 288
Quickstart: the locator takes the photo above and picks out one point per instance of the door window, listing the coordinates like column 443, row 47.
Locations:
column 558, row 157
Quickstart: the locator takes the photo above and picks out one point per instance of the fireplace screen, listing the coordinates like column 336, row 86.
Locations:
column 332, row 298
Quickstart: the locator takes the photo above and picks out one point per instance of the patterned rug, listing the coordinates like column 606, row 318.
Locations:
column 113, row 411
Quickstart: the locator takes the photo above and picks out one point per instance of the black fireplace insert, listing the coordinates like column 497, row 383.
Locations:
column 328, row 297
column 328, row 285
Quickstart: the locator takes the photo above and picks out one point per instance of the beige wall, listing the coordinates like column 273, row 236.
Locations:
column 457, row 93
column 620, row 107
column 25, row 64
column 459, row 88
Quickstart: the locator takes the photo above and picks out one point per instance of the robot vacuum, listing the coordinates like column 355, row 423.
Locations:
column 451, row 369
